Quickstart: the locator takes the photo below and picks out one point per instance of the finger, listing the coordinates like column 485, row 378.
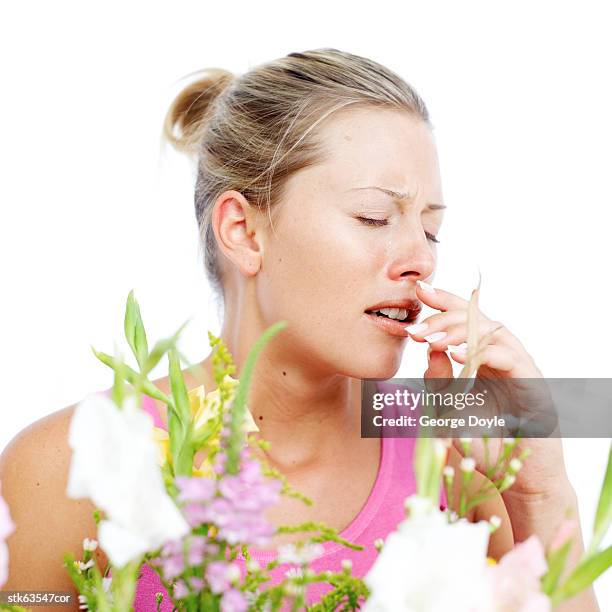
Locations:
column 440, row 367
column 440, row 336
column 435, row 323
column 496, row 357
column 459, row 314
column 450, row 328
column 438, row 298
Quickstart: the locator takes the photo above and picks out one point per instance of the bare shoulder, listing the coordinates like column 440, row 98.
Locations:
column 34, row 475
column 502, row 539
column 34, row 471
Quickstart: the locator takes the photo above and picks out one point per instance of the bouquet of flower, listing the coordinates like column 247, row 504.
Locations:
column 191, row 502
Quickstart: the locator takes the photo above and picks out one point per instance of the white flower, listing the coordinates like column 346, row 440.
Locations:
column 507, row 482
column 294, row 572
column 468, row 464
column 84, row 566
column 294, row 590
column 448, row 471
column 515, row 465
column 495, row 521
column 114, row 463
column 431, row 565
column 418, row 506
column 290, row 553
column 90, row 545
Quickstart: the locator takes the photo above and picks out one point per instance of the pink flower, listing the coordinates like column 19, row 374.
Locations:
column 233, row 601
column 195, row 489
column 172, row 560
column 180, row 590
column 235, row 503
column 6, row 528
column 515, row 580
column 198, row 547
column 173, row 566
column 220, row 575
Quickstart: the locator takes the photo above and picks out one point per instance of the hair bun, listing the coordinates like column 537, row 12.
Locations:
column 192, row 107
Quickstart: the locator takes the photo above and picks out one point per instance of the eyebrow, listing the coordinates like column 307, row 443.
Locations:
column 399, row 196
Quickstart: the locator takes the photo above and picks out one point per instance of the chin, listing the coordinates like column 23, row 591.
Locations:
column 379, row 367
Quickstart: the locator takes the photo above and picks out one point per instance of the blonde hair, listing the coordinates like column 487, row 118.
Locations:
column 251, row 132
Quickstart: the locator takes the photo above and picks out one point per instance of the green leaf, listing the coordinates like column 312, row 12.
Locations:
column 123, row 585
column 134, row 378
column 556, row 564
column 181, row 447
column 423, row 465
column 179, row 390
column 134, row 330
column 584, row 574
column 118, row 393
column 101, row 596
column 75, row 575
column 603, row 516
column 239, row 405
column 205, row 433
column 427, row 463
column 161, row 347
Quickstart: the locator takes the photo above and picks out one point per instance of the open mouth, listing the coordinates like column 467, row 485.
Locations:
column 393, row 316
column 401, row 315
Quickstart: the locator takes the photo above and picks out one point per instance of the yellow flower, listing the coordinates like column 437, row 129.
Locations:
column 204, row 408
column 161, row 438
column 201, row 409
column 205, row 470
column 249, row 424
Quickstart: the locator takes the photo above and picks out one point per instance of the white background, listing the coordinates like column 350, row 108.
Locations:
column 520, row 98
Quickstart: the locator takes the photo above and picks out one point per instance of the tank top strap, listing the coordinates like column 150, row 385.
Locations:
column 149, row 406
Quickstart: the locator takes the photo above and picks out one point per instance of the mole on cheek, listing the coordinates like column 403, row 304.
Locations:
column 284, row 373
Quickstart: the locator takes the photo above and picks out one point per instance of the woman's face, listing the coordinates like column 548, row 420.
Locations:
column 343, row 244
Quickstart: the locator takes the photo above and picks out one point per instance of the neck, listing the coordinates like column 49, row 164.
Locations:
column 305, row 412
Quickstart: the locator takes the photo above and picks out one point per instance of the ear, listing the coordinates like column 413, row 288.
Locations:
column 234, row 223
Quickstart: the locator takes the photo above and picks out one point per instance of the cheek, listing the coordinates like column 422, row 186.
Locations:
column 317, row 266
column 337, row 260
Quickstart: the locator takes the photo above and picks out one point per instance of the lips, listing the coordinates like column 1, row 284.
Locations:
column 411, row 306
column 393, row 326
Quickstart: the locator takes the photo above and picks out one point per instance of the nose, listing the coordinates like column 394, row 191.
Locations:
column 412, row 256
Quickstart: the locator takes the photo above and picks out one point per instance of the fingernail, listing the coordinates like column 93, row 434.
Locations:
column 425, row 287
column 436, row 336
column 459, row 348
column 417, row 328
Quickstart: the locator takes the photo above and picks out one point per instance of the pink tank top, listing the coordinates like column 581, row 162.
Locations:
column 379, row 516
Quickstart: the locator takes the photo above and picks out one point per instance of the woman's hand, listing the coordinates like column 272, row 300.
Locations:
column 543, row 475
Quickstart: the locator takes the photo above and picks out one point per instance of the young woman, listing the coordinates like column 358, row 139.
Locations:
column 318, row 199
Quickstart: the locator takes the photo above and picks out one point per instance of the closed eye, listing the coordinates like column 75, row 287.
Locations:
column 376, row 222
column 380, row 222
